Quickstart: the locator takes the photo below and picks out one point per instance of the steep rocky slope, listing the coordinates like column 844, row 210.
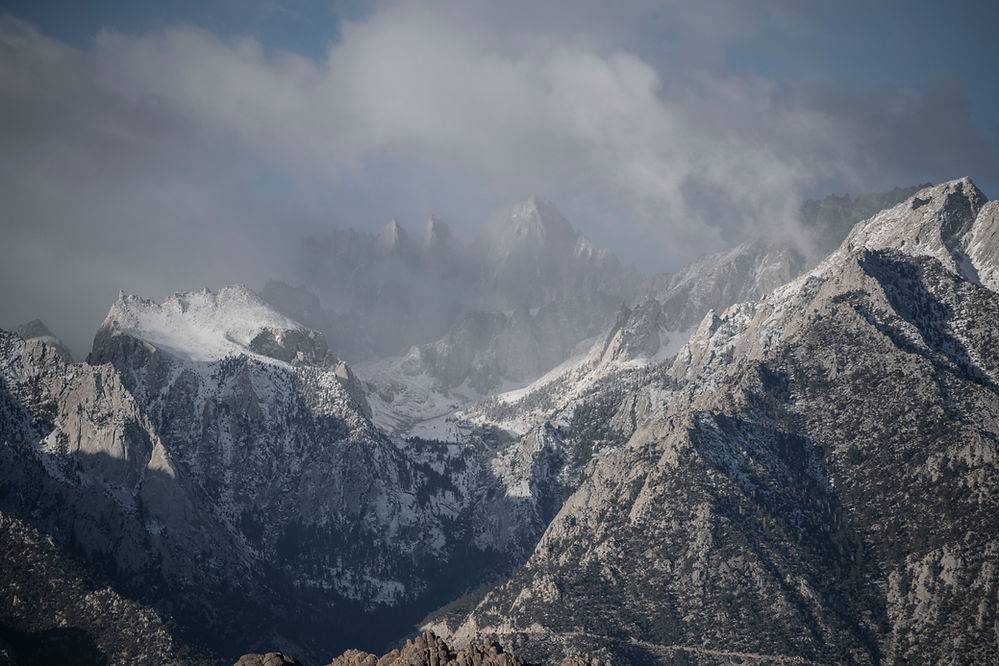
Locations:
column 813, row 478
column 216, row 472
column 485, row 353
column 533, row 256
column 582, row 409
column 52, row 610
column 539, row 290
column 522, row 299
column 427, row 649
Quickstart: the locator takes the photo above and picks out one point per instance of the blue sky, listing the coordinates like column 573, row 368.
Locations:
column 303, row 26
column 159, row 146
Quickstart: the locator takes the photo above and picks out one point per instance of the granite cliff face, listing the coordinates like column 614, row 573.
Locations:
column 427, row 649
column 780, row 496
column 527, row 295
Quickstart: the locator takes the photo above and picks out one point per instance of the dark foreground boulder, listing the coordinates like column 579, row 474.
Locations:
column 269, row 659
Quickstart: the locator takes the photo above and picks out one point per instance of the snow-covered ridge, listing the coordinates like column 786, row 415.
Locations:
column 205, row 325
column 939, row 222
column 951, row 222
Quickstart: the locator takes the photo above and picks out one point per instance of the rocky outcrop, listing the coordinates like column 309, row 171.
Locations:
column 981, row 245
column 292, row 346
column 639, row 333
column 942, row 222
column 811, row 477
column 830, row 219
column 716, row 281
column 428, row 649
column 403, row 292
column 490, row 349
column 344, row 335
column 533, row 256
column 268, row 659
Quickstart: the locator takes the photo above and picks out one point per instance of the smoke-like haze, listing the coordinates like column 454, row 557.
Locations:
column 179, row 157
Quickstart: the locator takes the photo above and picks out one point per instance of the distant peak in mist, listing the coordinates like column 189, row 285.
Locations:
column 436, row 233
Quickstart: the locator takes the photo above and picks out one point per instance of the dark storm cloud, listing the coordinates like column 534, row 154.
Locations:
column 169, row 158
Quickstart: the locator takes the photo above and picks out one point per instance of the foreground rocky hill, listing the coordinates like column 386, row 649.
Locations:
column 427, row 649
column 812, row 478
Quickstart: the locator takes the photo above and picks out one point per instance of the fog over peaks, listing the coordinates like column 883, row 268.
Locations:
column 168, row 154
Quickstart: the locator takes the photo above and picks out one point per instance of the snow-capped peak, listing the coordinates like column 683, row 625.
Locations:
column 392, row 236
column 937, row 221
column 205, row 325
column 540, row 221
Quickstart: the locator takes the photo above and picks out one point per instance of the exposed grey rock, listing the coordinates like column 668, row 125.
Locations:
column 344, row 335
column 769, row 494
column 638, row 333
column 831, row 218
column 268, row 659
column 489, row 349
column 429, row 650
column 982, row 245
column 940, row 222
column 407, row 293
column 236, row 476
column 534, row 256
column 292, row 346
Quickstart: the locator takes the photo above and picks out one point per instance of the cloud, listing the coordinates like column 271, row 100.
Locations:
column 410, row 86
column 164, row 160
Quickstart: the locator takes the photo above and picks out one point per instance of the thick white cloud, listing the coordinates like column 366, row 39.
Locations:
column 432, row 93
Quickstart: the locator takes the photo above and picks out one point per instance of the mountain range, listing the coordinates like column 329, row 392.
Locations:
column 767, row 456
column 811, row 478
